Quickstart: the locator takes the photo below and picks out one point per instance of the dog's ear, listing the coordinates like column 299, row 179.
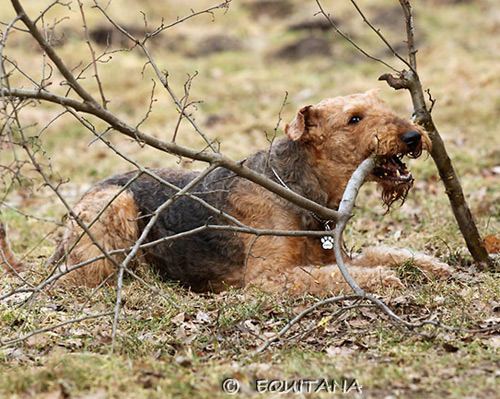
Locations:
column 301, row 124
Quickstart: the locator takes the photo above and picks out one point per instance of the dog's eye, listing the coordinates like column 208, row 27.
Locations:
column 355, row 119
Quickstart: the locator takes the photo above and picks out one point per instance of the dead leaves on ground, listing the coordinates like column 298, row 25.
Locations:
column 235, row 323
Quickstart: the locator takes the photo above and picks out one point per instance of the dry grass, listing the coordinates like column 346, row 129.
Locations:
column 165, row 352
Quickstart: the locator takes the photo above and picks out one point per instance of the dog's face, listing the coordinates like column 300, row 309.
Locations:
column 341, row 132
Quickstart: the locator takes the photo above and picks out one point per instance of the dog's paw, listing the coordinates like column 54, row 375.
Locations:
column 385, row 255
column 375, row 278
column 433, row 266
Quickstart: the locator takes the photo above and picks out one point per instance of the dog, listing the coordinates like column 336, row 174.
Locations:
column 322, row 147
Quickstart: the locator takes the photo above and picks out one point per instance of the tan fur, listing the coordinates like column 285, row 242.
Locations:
column 7, row 257
column 115, row 229
column 385, row 255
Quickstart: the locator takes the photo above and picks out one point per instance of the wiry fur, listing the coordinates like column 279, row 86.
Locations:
column 323, row 147
column 115, row 228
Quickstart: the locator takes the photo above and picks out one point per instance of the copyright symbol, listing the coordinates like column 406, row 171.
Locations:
column 230, row 386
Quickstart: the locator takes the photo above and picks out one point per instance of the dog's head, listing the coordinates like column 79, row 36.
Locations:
column 341, row 132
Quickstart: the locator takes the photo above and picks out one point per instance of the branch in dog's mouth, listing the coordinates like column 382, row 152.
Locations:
column 392, row 169
column 394, row 179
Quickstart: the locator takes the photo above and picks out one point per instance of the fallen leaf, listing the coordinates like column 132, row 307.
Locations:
column 494, row 342
column 203, row 317
column 489, row 322
column 492, row 244
column 336, row 351
column 179, row 319
column 251, row 327
column 324, row 321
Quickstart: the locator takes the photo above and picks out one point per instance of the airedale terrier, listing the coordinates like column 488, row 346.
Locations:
column 323, row 146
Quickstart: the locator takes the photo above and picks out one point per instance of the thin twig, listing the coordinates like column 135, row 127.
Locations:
column 382, row 37
column 348, row 38
column 54, row 326
column 275, row 130
column 301, row 315
column 35, row 33
column 164, row 27
column 30, row 216
column 410, row 33
column 184, row 104
column 92, row 53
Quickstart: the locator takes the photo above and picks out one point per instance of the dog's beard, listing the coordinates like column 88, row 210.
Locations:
column 392, row 192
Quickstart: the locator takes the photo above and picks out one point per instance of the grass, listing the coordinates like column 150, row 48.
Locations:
column 163, row 351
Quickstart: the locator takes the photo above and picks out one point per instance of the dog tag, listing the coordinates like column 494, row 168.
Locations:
column 327, row 242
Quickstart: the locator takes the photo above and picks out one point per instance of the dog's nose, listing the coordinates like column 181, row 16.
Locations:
column 411, row 139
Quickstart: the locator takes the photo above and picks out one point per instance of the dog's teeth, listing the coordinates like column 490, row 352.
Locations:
column 398, row 173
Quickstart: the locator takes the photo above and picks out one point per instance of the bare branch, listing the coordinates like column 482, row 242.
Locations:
column 219, row 159
column 55, row 326
column 92, row 53
column 48, row 8
column 382, row 37
column 345, row 209
column 348, row 38
column 209, row 10
column 303, row 314
column 161, row 76
column 410, row 33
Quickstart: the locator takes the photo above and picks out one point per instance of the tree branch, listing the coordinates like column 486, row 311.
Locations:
column 410, row 80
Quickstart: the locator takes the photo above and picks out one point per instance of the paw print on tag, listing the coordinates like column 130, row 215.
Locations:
column 327, row 242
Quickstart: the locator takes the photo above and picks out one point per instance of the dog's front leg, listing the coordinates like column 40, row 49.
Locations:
column 385, row 255
column 326, row 280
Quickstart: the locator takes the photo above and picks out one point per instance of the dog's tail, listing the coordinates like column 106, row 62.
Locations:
column 8, row 258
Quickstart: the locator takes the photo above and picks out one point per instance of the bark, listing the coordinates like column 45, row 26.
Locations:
column 410, row 81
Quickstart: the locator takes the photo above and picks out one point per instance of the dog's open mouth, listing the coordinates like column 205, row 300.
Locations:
column 392, row 169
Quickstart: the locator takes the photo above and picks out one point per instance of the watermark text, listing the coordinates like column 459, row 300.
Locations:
column 297, row 386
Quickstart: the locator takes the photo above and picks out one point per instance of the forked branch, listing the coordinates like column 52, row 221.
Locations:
column 410, row 80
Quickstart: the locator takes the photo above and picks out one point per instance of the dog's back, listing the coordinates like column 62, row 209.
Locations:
column 198, row 260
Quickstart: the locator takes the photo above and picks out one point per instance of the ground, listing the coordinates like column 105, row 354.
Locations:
column 184, row 345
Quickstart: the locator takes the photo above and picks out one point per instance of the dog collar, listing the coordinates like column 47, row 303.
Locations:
column 326, row 241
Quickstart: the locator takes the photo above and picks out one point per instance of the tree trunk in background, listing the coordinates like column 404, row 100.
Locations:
column 410, row 80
